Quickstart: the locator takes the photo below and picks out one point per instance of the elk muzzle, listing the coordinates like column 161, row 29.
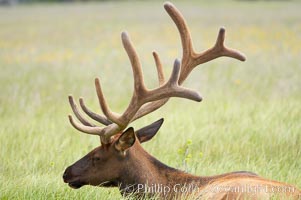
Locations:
column 72, row 180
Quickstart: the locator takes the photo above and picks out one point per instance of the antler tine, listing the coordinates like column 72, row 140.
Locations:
column 219, row 45
column 191, row 59
column 218, row 50
column 136, row 66
column 161, row 77
column 114, row 117
column 101, row 119
column 149, row 107
column 171, row 88
column 77, row 113
column 86, row 129
column 178, row 19
column 173, row 80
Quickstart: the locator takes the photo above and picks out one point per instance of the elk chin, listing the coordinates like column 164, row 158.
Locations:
column 76, row 184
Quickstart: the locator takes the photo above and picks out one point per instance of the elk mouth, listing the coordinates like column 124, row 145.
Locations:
column 76, row 184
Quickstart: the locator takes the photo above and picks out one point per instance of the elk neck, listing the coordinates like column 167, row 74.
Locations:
column 145, row 170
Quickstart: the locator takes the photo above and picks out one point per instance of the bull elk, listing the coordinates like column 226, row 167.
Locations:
column 121, row 161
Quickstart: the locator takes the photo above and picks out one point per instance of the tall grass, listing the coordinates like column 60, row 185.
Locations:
column 250, row 118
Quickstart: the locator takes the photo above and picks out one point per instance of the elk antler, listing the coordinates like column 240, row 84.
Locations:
column 145, row 101
column 191, row 59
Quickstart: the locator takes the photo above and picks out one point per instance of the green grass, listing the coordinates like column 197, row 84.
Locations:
column 250, row 118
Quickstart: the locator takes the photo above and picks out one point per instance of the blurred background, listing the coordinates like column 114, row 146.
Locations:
column 13, row 2
column 250, row 118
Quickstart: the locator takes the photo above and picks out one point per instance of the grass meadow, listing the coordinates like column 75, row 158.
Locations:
column 250, row 118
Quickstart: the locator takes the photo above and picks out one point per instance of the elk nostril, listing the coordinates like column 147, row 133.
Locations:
column 65, row 175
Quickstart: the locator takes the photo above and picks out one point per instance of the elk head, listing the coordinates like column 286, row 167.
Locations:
column 103, row 165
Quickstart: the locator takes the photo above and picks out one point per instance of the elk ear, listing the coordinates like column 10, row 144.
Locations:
column 126, row 140
column 146, row 133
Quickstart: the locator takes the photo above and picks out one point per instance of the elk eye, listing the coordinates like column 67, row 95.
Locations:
column 96, row 159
